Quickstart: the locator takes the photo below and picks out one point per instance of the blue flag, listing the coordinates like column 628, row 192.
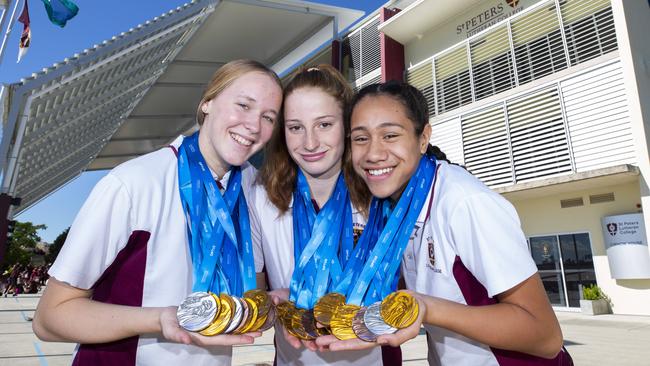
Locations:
column 60, row 11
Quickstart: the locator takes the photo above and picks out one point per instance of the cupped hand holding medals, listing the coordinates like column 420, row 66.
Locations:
column 205, row 318
column 335, row 325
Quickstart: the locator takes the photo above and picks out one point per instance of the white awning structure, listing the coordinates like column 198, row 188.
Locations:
column 422, row 15
column 134, row 93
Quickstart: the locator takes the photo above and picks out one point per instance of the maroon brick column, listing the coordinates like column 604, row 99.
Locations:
column 336, row 54
column 392, row 52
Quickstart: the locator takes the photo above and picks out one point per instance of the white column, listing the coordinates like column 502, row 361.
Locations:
column 632, row 21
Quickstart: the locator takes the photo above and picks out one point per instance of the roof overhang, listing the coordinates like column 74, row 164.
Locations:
column 603, row 177
column 136, row 92
column 422, row 15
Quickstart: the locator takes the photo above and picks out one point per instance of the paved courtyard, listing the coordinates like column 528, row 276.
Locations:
column 601, row 340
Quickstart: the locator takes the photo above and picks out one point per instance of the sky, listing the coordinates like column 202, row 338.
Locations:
column 95, row 22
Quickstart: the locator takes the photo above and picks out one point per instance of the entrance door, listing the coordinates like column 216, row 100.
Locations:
column 544, row 250
column 565, row 265
column 578, row 265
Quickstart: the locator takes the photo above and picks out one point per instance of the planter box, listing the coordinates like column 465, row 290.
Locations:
column 594, row 307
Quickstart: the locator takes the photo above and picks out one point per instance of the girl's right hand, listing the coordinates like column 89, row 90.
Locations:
column 281, row 295
column 172, row 331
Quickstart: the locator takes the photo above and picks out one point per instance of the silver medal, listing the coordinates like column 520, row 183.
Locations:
column 359, row 327
column 197, row 311
column 374, row 322
column 237, row 315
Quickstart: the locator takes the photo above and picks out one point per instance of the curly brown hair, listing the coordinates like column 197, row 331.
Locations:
column 278, row 173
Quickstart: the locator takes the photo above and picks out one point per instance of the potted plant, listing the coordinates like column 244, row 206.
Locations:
column 594, row 301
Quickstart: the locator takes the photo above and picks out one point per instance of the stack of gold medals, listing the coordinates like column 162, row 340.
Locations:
column 347, row 321
column 210, row 314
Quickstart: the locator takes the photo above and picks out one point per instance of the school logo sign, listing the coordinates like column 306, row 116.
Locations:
column 612, row 227
column 487, row 15
column 512, row 3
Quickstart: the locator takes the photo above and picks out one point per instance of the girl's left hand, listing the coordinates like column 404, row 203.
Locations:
column 334, row 344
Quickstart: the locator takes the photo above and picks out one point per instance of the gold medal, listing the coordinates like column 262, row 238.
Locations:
column 341, row 322
column 399, row 309
column 222, row 320
column 248, row 323
column 285, row 314
column 297, row 326
column 263, row 305
column 290, row 318
column 261, row 319
column 326, row 307
column 261, row 298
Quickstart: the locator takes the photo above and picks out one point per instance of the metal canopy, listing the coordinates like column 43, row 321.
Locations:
column 138, row 91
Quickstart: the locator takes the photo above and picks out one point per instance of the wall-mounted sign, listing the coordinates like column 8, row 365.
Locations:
column 624, row 229
column 487, row 16
column 627, row 246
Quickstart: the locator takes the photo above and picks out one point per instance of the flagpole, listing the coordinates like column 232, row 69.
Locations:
column 4, row 15
column 12, row 20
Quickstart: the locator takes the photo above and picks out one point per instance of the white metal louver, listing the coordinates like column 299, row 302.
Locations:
column 537, row 41
column 598, row 118
column 373, row 78
column 485, row 146
column 370, row 48
column 492, row 67
column 545, row 40
column 447, row 135
column 362, row 53
column 453, row 84
column 589, row 29
column 421, row 77
column 351, row 56
column 537, row 136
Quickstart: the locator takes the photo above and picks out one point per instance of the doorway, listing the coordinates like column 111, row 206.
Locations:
column 565, row 264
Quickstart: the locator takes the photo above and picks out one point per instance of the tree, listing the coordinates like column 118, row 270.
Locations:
column 20, row 246
column 55, row 248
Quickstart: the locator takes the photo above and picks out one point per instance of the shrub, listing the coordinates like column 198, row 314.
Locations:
column 593, row 292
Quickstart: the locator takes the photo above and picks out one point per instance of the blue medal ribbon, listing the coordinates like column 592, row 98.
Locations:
column 218, row 227
column 322, row 242
column 376, row 277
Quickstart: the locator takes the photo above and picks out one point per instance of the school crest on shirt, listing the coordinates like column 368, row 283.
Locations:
column 432, row 255
column 357, row 230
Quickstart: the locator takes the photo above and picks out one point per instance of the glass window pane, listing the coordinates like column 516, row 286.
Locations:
column 544, row 250
column 578, row 265
column 545, row 253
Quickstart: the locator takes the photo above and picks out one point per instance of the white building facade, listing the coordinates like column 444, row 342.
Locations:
column 548, row 103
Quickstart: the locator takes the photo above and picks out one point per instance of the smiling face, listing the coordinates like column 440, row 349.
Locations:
column 314, row 131
column 239, row 121
column 385, row 148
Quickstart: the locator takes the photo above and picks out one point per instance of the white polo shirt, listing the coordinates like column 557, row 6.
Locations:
column 469, row 249
column 129, row 243
column 273, row 247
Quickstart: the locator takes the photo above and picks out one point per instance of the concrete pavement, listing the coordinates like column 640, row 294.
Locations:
column 601, row 340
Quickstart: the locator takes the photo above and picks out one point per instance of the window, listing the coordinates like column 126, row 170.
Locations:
column 565, row 264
